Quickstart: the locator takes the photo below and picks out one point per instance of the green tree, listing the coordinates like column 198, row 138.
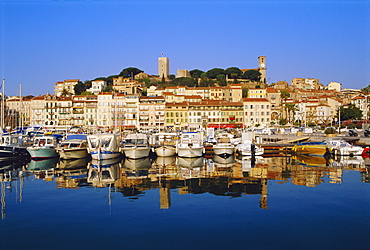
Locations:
column 213, row 73
column 366, row 90
column 107, row 88
column 290, row 109
column 284, row 95
column 65, row 92
column 351, row 112
column 221, row 80
column 253, row 75
column 130, row 72
column 233, row 72
column 183, row 81
column 87, row 84
column 79, row 88
column 244, row 92
column 196, row 73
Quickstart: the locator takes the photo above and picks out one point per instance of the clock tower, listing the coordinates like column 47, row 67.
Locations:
column 262, row 68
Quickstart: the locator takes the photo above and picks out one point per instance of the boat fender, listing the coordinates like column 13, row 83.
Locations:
column 41, row 143
column 366, row 152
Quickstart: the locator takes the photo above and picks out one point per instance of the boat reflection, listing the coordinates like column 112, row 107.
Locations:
column 103, row 173
column 73, row 163
column 313, row 161
column 42, row 165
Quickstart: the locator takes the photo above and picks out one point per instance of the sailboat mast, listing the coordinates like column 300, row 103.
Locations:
column 2, row 104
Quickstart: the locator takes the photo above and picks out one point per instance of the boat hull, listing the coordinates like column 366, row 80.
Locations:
column 104, row 155
column 220, row 149
column 42, row 153
column 136, row 152
column 73, row 153
column 190, row 152
column 310, row 149
column 165, row 151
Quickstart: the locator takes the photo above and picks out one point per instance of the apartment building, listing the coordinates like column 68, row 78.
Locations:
column 176, row 115
column 257, row 111
column 66, row 85
column 132, row 110
column 151, row 112
column 37, row 110
column 104, row 116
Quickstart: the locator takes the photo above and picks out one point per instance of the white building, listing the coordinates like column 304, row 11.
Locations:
column 97, row 86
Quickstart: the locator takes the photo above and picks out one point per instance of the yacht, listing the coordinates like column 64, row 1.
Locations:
column 14, row 145
column 103, row 146
column 165, row 144
column 136, row 146
column 224, row 147
column 190, row 145
column 73, row 147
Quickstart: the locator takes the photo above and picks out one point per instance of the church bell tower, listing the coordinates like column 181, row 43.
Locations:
column 262, row 68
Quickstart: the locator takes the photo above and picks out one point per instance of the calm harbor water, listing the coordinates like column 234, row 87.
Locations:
column 177, row 203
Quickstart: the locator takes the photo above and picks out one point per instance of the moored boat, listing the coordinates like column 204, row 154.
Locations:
column 341, row 147
column 223, row 147
column 165, row 144
column 103, row 146
column 311, row 148
column 43, row 148
column 73, row 147
column 136, row 146
column 190, row 145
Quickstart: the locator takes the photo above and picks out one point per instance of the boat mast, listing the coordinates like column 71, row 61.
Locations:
column 2, row 105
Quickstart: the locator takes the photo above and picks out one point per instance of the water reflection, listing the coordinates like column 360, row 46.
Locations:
column 230, row 176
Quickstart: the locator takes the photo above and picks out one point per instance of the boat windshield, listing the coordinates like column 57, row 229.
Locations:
column 105, row 142
column 94, row 142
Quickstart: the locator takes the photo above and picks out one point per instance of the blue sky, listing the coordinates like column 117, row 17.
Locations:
column 43, row 42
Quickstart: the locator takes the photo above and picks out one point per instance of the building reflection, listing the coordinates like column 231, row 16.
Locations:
column 231, row 176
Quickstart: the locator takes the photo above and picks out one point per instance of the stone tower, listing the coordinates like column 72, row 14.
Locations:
column 262, row 68
column 163, row 66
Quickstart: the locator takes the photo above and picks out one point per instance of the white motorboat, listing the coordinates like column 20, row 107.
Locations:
column 247, row 148
column 73, row 147
column 340, row 147
column 103, row 146
column 136, row 146
column 190, row 145
column 224, row 147
column 43, row 148
column 165, row 144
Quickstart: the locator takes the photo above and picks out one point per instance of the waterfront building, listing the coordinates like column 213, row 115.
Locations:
column 51, row 107
column 118, row 111
column 97, row 86
column 215, row 113
column 104, row 117
column 131, row 111
column 37, row 110
column 257, row 111
column 176, row 115
column 64, row 111
column 163, row 67
column 67, row 86
column 19, row 108
column 151, row 112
